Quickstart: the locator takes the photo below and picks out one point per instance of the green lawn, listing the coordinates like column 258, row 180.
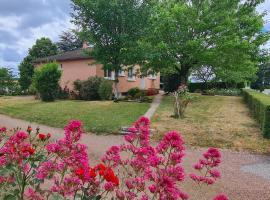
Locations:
column 97, row 116
column 219, row 121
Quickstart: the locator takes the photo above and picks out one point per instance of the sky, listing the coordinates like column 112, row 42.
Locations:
column 22, row 22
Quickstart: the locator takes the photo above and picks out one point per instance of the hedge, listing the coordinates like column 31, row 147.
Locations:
column 193, row 87
column 259, row 104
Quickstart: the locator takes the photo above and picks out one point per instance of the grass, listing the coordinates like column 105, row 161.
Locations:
column 97, row 116
column 218, row 121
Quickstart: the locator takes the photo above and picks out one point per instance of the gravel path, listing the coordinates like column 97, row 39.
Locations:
column 244, row 176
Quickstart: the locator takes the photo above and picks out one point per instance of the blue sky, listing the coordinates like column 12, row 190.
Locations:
column 24, row 21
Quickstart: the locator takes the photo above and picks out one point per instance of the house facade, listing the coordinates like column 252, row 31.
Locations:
column 77, row 65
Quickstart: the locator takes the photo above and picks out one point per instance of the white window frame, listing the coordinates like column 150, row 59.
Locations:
column 121, row 73
column 106, row 74
column 132, row 72
column 152, row 76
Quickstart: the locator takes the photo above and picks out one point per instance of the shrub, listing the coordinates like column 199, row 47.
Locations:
column 88, row 89
column 181, row 101
column 35, row 168
column 170, row 81
column 260, row 108
column 133, row 91
column 46, row 81
column 63, row 93
column 151, row 92
column 105, row 90
column 213, row 85
column 223, row 92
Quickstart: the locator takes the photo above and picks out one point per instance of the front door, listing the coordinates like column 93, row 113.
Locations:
column 142, row 83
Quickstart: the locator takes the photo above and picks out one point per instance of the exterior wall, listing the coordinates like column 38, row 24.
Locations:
column 74, row 70
column 83, row 69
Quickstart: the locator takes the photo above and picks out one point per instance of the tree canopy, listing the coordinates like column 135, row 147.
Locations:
column 6, row 80
column 188, row 34
column 42, row 48
column 69, row 41
column 114, row 28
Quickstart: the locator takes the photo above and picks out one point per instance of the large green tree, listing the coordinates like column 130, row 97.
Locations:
column 188, row 34
column 114, row 28
column 69, row 41
column 6, row 80
column 42, row 48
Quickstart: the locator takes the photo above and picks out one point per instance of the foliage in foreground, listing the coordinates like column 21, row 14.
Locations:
column 46, row 81
column 260, row 108
column 34, row 168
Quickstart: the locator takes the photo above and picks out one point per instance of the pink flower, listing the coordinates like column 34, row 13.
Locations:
column 109, row 186
column 32, row 195
column 73, row 131
column 215, row 173
column 221, row 197
column 3, row 130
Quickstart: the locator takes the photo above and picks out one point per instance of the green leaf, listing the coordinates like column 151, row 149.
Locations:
column 9, row 197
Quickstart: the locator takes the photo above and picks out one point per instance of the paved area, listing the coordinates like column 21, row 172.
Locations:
column 155, row 104
column 244, row 176
column 259, row 169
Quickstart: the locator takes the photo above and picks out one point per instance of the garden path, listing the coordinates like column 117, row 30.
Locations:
column 238, row 181
column 154, row 105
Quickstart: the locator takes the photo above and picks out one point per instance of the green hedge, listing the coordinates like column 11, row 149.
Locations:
column 260, row 108
column 193, row 87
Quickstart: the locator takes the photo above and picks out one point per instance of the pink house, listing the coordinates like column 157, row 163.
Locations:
column 78, row 65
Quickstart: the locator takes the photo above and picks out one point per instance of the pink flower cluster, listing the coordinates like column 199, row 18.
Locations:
column 152, row 172
column 206, row 167
column 133, row 170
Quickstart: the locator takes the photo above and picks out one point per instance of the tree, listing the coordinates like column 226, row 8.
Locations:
column 189, row 34
column 6, row 80
column 263, row 74
column 114, row 27
column 203, row 74
column 69, row 41
column 42, row 48
column 46, row 81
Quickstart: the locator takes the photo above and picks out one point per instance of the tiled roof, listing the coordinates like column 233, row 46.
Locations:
column 78, row 54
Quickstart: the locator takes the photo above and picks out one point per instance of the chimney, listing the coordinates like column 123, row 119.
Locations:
column 85, row 45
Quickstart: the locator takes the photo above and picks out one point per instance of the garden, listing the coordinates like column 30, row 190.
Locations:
column 208, row 137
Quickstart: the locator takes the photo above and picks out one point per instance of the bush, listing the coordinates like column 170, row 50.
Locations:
column 63, row 93
column 223, row 92
column 260, row 108
column 133, row 91
column 213, row 85
column 105, row 90
column 46, row 81
column 170, row 82
column 151, row 92
column 89, row 89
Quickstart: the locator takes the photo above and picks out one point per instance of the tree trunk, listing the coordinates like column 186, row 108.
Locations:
column 183, row 72
column 116, row 91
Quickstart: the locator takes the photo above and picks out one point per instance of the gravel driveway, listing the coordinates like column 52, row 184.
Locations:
column 242, row 179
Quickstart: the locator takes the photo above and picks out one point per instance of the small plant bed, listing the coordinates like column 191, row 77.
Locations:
column 105, row 116
column 218, row 121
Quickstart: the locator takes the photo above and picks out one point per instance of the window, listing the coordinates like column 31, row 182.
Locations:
column 109, row 74
column 121, row 73
column 131, row 76
column 152, row 76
